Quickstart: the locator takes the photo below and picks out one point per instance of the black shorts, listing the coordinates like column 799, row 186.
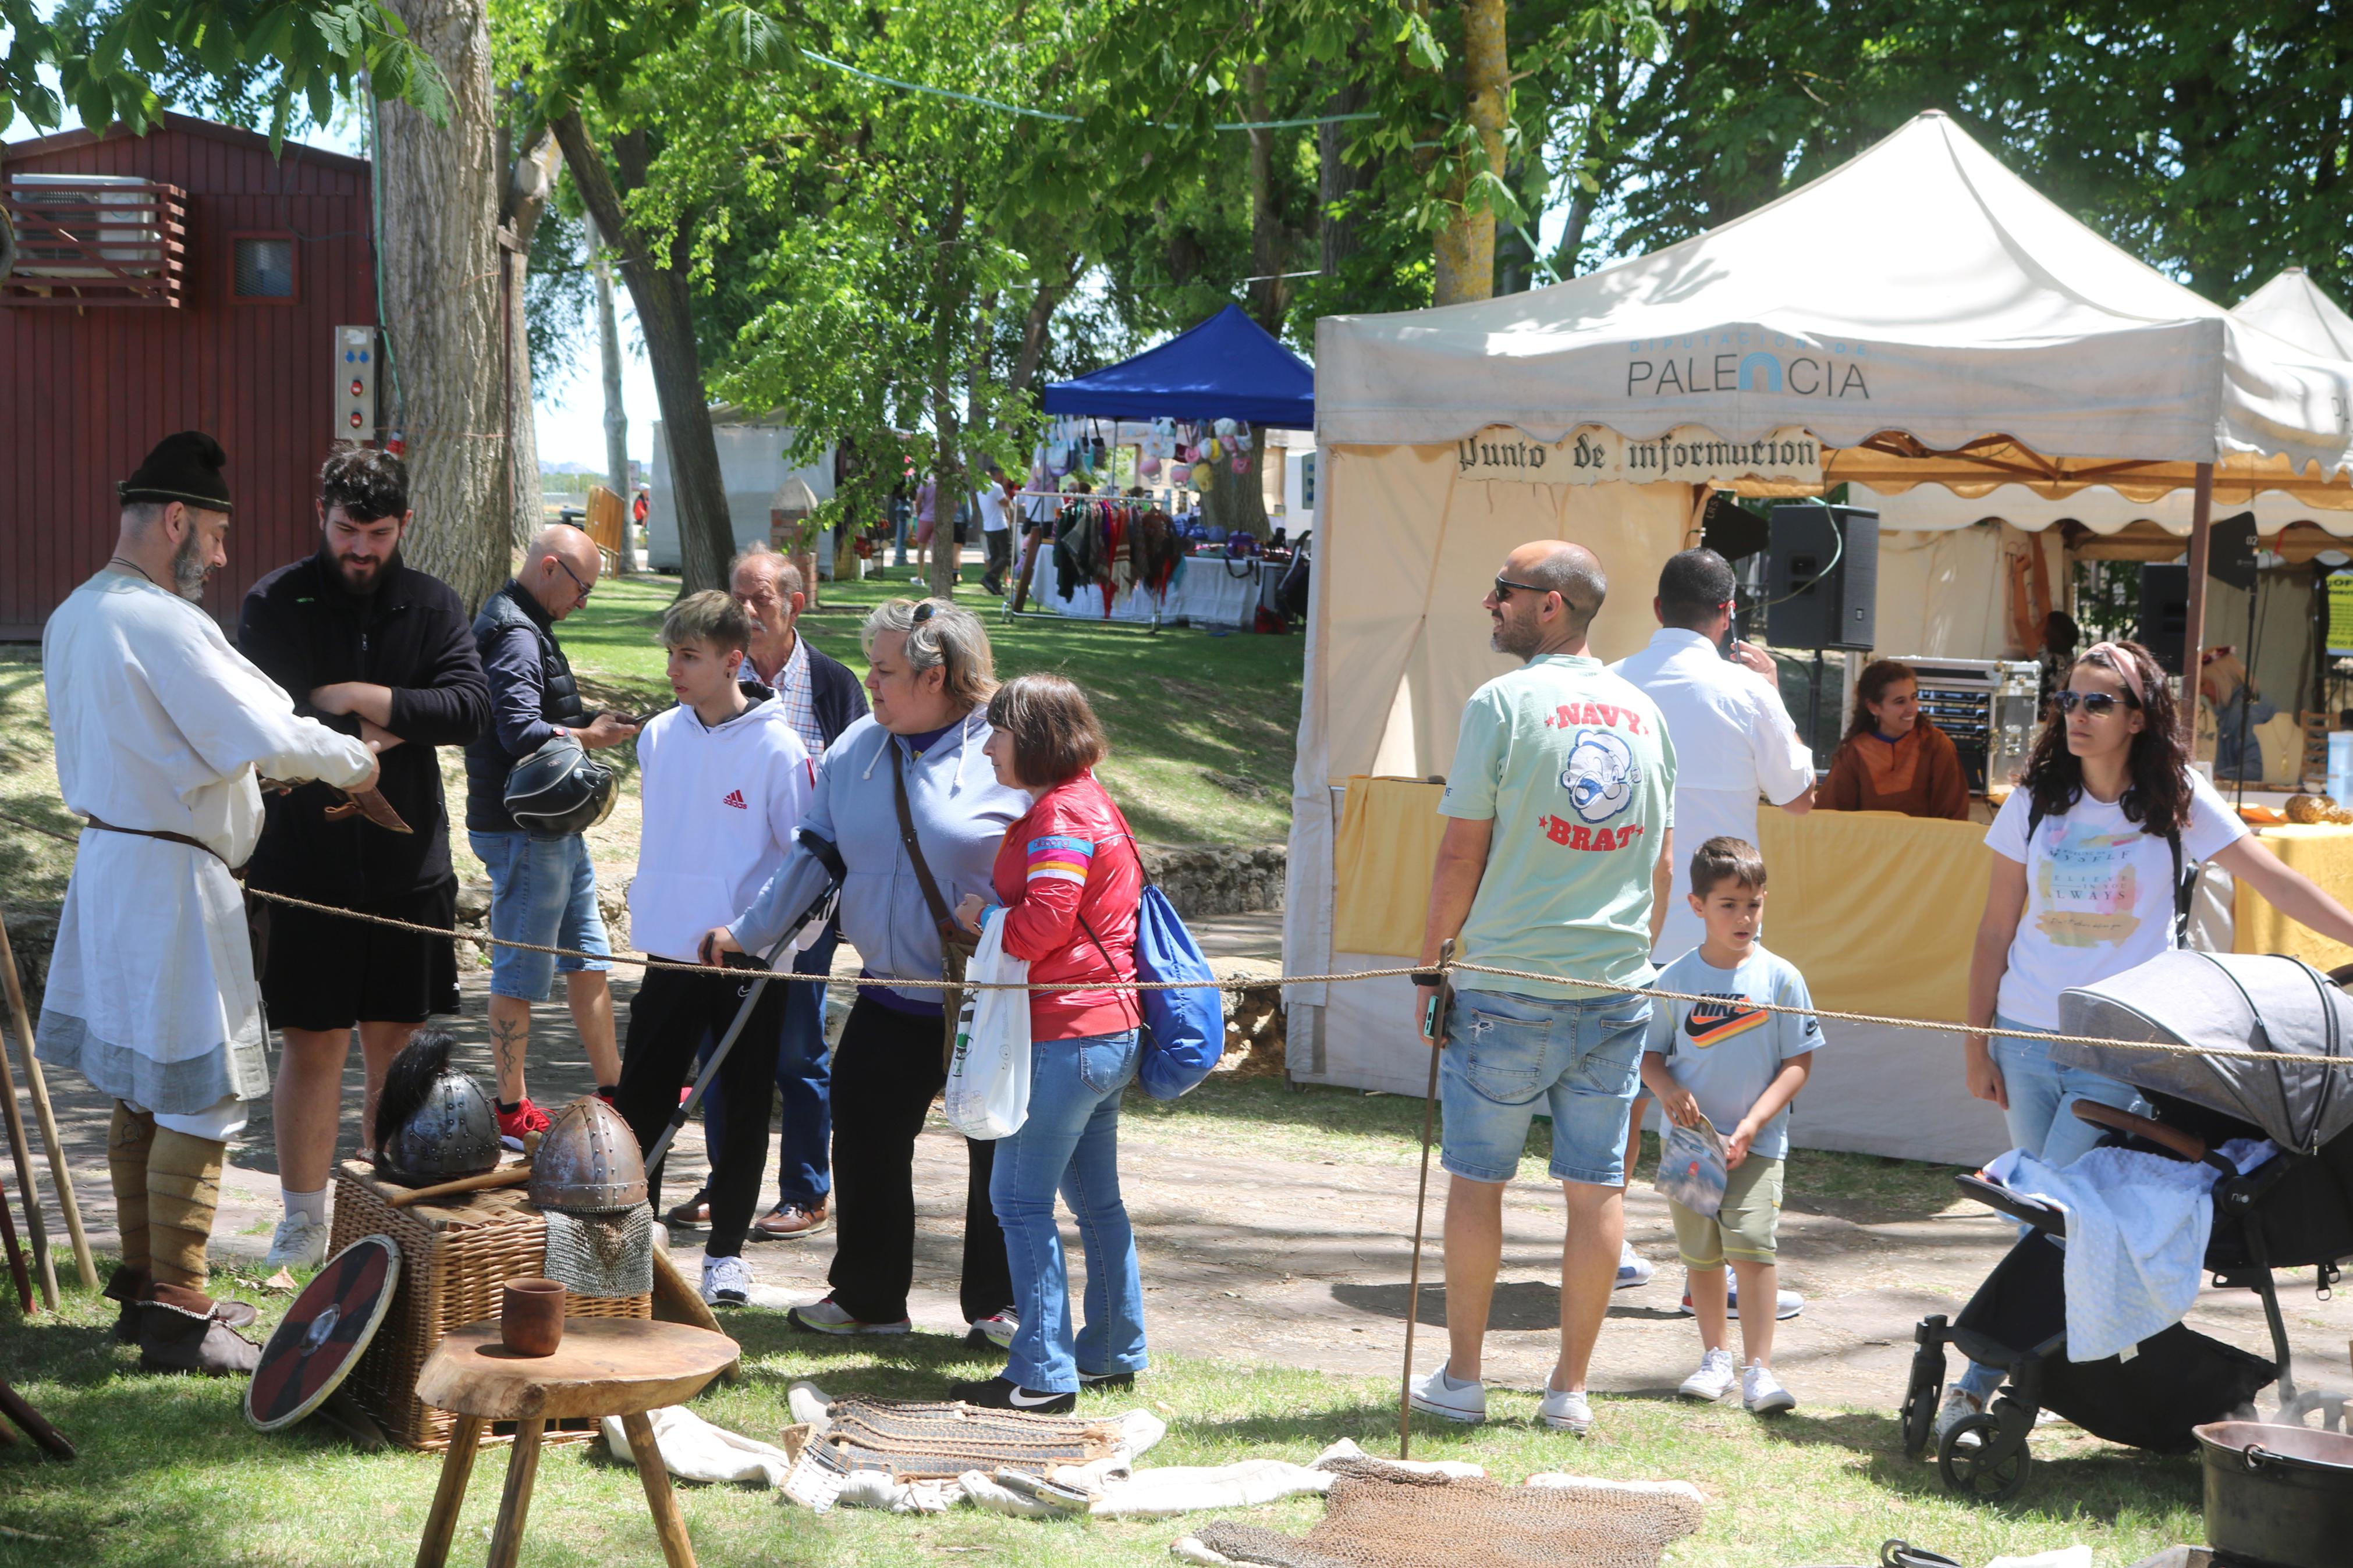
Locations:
column 325, row 973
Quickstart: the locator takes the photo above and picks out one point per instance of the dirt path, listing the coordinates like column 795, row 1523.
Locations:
column 1302, row 1262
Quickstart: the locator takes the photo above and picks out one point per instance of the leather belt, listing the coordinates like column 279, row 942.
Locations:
column 236, row 871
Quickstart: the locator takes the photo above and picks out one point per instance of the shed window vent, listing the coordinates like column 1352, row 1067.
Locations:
column 265, row 268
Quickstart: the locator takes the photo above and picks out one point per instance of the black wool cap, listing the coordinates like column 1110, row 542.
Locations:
column 183, row 468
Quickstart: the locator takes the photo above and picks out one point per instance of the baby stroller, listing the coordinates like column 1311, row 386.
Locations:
column 2295, row 1209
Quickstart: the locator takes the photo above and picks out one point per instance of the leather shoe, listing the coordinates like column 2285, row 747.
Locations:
column 791, row 1222
column 181, row 1329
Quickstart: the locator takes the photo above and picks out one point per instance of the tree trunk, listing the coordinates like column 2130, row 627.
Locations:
column 438, row 262
column 608, row 359
column 1236, row 503
column 1465, row 251
column 948, row 305
column 530, row 183
column 1339, row 182
column 652, row 265
column 1271, row 293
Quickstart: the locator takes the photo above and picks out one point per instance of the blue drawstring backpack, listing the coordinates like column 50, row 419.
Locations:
column 1183, row 1031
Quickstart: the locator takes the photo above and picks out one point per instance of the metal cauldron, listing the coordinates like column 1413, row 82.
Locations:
column 2278, row 1497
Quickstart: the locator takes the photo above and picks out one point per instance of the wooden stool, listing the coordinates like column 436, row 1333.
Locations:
column 606, row 1366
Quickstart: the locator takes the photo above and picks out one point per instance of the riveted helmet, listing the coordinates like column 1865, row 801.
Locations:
column 559, row 790
column 433, row 1123
column 588, row 1161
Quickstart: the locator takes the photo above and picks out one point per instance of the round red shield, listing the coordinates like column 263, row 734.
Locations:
column 324, row 1332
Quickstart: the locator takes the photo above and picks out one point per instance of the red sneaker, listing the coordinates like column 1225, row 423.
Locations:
column 523, row 1119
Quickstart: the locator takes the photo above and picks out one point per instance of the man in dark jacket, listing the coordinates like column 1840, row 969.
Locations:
column 821, row 698
column 542, row 889
column 381, row 651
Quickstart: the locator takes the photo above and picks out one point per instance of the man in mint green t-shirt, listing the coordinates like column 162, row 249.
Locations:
column 1556, row 860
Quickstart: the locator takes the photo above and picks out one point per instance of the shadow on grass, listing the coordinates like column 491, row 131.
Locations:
column 1518, row 1304
column 2069, row 1476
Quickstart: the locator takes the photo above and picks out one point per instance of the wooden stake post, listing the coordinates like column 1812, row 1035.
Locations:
column 37, row 1085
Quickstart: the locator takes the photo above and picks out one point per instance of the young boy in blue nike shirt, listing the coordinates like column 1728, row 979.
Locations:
column 1728, row 1061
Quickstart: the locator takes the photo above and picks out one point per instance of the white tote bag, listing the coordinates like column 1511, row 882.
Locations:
column 988, row 1076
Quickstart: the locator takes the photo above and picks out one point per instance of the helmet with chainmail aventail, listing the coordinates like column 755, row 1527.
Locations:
column 588, row 1161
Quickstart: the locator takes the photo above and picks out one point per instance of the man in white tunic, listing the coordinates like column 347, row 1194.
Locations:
column 162, row 730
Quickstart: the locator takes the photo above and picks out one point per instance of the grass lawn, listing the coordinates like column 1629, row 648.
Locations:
column 170, row 1475
column 1202, row 726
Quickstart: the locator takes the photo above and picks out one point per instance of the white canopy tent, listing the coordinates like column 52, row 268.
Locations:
column 1919, row 315
column 2292, row 308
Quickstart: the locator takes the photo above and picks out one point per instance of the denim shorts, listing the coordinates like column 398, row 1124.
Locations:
column 1508, row 1056
column 542, row 890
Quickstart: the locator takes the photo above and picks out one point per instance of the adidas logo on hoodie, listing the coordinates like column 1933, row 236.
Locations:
column 735, row 799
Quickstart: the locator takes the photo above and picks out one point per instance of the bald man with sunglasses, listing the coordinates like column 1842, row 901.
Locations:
column 1554, row 861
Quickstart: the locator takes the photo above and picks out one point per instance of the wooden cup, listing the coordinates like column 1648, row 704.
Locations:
column 530, row 1317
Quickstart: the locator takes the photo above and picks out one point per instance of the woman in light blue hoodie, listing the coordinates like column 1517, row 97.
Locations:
column 930, row 684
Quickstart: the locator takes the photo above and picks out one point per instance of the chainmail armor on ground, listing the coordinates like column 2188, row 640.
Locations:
column 926, row 1441
column 602, row 1253
column 1376, row 1517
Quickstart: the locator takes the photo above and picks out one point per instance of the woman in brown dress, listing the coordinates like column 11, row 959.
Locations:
column 1892, row 758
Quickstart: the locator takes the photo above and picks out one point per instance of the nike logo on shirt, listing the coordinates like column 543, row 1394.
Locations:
column 1711, row 1023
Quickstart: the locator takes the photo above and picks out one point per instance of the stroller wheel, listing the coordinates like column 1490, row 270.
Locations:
column 1976, row 1460
column 1918, row 1418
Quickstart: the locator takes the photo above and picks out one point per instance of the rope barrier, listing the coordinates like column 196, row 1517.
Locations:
column 1246, row 983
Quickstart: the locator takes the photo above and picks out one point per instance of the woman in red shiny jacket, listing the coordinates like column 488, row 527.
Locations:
column 1068, row 880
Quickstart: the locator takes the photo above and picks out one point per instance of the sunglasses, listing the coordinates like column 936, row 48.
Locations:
column 1504, row 586
column 2098, row 704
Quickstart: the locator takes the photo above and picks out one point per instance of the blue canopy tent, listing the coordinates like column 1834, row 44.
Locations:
column 1228, row 367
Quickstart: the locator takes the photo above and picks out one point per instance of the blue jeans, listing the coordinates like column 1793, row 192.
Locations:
column 2040, row 1091
column 542, row 890
column 1069, row 1144
column 1505, row 1054
column 804, row 1081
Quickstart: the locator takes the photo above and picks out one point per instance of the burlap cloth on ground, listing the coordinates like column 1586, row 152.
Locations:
column 1376, row 1517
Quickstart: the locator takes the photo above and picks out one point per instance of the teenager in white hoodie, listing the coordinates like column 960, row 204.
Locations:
column 724, row 781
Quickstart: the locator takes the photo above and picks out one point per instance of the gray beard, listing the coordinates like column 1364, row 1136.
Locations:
column 189, row 574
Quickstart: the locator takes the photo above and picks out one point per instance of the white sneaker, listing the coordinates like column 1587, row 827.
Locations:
column 998, row 1329
column 726, row 1281
column 1959, row 1404
column 1633, row 1269
column 825, row 1317
column 299, row 1242
column 1716, row 1373
column 1566, row 1412
column 1763, row 1393
column 1467, row 1404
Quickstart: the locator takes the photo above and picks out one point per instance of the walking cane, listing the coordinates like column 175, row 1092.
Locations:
column 36, row 1085
column 1435, row 1027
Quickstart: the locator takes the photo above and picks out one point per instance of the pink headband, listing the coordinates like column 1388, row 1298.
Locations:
column 2123, row 664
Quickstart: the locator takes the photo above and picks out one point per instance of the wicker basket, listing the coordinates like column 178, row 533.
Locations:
column 454, row 1257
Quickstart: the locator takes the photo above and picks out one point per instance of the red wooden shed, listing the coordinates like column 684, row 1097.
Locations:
column 184, row 279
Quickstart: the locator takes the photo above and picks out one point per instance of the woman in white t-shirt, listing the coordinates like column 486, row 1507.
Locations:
column 2085, row 883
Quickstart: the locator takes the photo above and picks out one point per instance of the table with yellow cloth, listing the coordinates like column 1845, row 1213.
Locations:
column 2325, row 854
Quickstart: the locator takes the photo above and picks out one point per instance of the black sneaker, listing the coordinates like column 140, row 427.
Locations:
column 1004, row 1394
column 1115, row 1381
